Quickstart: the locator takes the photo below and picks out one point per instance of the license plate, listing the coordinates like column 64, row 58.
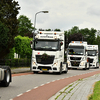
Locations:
column 44, row 69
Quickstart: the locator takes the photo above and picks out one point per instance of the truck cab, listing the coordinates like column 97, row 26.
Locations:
column 92, row 53
column 48, row 52
column 77, row 55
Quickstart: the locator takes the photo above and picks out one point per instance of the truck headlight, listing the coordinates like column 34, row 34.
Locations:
column 34, row 63
column 56, row 63
column 82, row 63
column 68, row 63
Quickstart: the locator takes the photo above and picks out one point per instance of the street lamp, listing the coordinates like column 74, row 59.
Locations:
column 35, row 19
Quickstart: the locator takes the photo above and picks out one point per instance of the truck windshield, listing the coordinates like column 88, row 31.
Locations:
column 91, row 52
column 46, row 45
column 75, row 50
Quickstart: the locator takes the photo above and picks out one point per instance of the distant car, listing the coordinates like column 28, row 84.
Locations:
column 5, row 76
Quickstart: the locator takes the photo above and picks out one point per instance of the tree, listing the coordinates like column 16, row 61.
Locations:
column 76, row 34
column 8, row 17
column 57, row 29
column 89, row 35
column 75, row 37
column 25, row 26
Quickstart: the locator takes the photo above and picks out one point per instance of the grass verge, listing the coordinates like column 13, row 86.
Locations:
column 96, row 92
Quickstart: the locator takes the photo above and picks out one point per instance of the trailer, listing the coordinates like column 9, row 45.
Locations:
column 48, row 52
column 5, row 76
column 92, row 53
column 77, row 55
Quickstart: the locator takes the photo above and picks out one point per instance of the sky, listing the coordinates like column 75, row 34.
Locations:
column 63, row 14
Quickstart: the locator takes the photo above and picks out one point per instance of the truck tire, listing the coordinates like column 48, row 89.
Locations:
column 60, row 71
column 97, row 65
column 85, row 67
column 66, row 68
column 88, row 65
column 7, row 76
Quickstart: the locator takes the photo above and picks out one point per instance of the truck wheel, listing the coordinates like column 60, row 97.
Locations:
column 97, row 65
column 7, row 77
column 85, row 67
column 88, row 66
column 66, row 68
column 60, row 68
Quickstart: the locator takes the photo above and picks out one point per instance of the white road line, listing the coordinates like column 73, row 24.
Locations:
column 28, row 90
column 41, row 84
column 47, row 82
column 19, row 94
column 35, row 87
column 53, row 80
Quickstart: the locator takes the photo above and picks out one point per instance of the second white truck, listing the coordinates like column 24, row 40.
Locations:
column 92, row 53
column 77, row 55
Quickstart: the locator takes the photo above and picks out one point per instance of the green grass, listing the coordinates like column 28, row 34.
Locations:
column 96, row 92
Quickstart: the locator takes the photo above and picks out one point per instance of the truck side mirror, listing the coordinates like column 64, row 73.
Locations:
column 86, row 52
column 61, row 43
column 31, row 42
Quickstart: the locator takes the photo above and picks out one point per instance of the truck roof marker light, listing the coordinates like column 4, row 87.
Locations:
column 55, row 33
column 40, row 32
column 72, row 41
column 80, row 41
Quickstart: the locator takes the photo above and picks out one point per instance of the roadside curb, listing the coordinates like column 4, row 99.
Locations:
column 20, row 70
column 80, row 89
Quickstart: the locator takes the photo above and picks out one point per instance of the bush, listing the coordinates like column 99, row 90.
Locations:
column 22, row 46
column 16, row 62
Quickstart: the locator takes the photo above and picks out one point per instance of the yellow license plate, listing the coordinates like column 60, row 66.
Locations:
column 44, row 69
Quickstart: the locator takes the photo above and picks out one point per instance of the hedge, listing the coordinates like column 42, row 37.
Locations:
column 16, row 62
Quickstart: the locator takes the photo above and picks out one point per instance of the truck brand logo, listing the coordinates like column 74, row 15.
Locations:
column 46, row 36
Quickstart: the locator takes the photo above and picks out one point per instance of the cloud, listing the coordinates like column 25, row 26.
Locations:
column 63, row 14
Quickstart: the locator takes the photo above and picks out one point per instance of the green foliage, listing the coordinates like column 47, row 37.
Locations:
column 96, row 92
column 8, row 16
column 16, row 62
column 81, row 34
column 3, row 36
column 11, row 54
column 57, row 30
column 22, row 46
column 25, row 25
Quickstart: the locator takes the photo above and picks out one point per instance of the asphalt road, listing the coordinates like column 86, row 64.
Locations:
column 25, row 83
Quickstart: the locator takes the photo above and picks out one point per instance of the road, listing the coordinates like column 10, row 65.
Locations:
column 24, row 83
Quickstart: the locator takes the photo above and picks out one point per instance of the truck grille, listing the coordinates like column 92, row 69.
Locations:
column 75, row 58
column 47, row 60
column 74, row 63
column 91, row 60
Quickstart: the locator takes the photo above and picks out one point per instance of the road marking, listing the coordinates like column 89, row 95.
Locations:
column 47, row 82
column 35, row 87
column 28, row 90
column 53, row 80
column 41, row 84
column 19, row 94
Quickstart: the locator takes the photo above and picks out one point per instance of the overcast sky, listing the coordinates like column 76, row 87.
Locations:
column 63, row 14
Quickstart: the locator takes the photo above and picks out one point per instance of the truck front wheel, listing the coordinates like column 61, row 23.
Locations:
column 60, row 71
column 7, row 77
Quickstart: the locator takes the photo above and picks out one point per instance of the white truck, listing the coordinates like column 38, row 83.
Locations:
column 92, row 53
column 48, row 52
column 5, row 76
column 77, row 55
